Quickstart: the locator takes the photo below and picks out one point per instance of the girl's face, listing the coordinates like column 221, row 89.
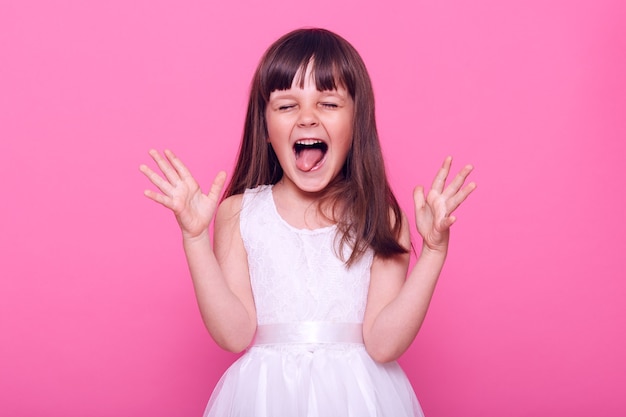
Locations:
column 310, row 132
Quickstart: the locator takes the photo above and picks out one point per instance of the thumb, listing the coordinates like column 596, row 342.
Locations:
column 418, row 197
column 217, row 186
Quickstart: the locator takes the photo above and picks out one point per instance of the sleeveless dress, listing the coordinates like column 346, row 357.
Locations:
column 308, row 358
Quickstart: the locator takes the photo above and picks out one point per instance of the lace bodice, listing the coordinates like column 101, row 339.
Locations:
column 295, row 273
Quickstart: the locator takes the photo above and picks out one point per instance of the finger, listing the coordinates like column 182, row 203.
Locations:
column 448, row 222
column 457, row 182
column 455, row 201
column 218, row 185
column 440, row 179
column 165, row 167
column 418, row 197
column 159, row 198
column 156, row 179
column 181, row 169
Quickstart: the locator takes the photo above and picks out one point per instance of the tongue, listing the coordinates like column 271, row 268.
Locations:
column 306, row 159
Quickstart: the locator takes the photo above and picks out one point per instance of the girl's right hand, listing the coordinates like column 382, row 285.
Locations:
column 181, row 193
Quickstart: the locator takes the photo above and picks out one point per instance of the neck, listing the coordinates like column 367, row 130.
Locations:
column 300, row 208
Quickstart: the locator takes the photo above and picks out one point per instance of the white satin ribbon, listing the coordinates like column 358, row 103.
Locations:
column 308, row 332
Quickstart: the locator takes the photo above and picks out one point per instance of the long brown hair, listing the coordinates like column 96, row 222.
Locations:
column 361, row 200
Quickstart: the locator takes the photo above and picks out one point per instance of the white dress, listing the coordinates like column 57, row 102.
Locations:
column 308, row 357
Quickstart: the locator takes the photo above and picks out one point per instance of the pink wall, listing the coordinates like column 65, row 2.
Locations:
column 97, row 314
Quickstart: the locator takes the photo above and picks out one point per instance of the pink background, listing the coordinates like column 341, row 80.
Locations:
column 97, row 313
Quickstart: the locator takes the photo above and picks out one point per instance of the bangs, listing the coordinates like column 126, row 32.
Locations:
column 290, row 59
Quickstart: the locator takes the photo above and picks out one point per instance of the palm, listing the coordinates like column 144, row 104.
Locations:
column 181, row 193
column 430, row 219
column 193, row 209
column 433, row 212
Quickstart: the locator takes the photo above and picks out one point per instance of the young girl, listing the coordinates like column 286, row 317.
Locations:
column 308, row 270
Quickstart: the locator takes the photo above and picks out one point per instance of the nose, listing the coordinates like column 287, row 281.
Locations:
column 307, row 118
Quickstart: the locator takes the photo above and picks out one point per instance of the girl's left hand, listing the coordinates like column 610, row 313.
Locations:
column 433, row 212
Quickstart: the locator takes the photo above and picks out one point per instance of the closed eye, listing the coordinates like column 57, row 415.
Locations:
column 330, row 105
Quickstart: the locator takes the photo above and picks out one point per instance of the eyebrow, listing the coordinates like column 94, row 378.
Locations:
column 287, row 94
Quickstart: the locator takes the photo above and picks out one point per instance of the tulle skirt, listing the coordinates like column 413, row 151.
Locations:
column 312, row 381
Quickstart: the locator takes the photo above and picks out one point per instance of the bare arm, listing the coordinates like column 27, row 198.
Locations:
column 397, row 304
column 220, row 278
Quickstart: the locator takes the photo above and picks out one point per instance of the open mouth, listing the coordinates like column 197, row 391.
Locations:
column 309, row 153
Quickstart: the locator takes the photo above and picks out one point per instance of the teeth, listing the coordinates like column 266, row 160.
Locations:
column 308, row 142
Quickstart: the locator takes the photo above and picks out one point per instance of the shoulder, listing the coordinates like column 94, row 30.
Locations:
column 381, row 264
column 226, row 231
column 403, row 227
column 405, row 232
column 231, row 204
column 228, row 210
column 231, row 207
